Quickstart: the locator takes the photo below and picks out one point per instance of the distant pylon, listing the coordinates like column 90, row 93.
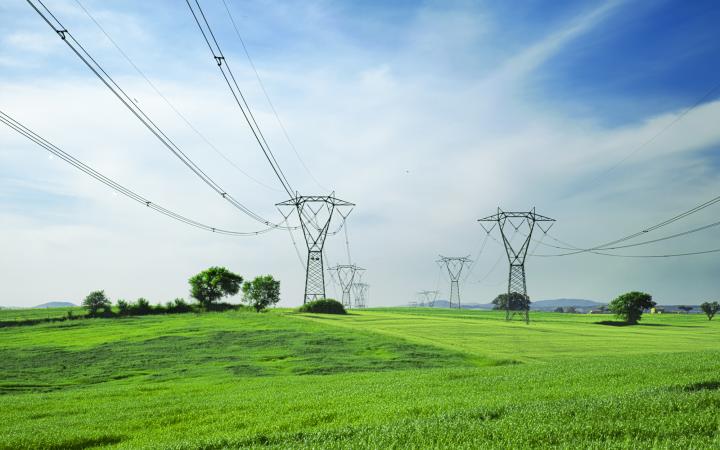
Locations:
column 454, row 265
column 346, row 274
column 427, row 298
column 315, row 213
column 516, row 257
column 360, row 291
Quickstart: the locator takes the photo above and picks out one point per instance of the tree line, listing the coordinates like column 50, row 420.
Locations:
column 629, row 306
column 207, row 288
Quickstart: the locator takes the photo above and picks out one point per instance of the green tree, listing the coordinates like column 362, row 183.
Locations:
column 685, row 308
column 123, row 307
column 95, row 301
column 213, row 284
column 141, row 307
column 710, row 309
column 630, row 306
column 518, row 302
column 261, row 292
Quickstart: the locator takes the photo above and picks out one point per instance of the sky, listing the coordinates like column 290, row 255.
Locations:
column 427, row 115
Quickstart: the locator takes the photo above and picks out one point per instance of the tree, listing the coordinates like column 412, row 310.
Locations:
column 261, row 292
column 95, row 301
column 710, row 309
column 123, row 307
column 518, row 302
column 687, row 309
column 559, row 309
column 630, row 306
column 141, row 307
column 213, row 284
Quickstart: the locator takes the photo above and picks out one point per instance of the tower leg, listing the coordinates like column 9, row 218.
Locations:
column 346, row 301
column 454, row 293
column 516, row 285
column 314, row 277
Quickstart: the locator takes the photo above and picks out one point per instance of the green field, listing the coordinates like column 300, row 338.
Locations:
column 378, row 378
column 10, row 315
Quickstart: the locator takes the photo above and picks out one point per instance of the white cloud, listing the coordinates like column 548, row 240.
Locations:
column 423, row 156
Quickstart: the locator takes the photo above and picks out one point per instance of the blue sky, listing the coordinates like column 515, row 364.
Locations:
column 427, row 114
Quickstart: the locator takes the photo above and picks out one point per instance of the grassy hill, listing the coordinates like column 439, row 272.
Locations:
column 377, row 378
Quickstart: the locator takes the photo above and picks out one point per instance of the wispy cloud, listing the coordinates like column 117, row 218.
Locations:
column 422, row 142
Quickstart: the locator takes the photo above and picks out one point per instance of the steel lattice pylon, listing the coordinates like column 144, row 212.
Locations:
column 315, row 213
column 516, row 256
column 347, row 274
column 427, row 298
column 454, row 265
column 360, row 291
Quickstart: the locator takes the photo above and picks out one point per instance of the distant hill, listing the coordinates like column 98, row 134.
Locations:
column 55, row 305
column 549, row 305
column 446, row 304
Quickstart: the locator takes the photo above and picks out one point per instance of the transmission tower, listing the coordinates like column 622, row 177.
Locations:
column 428, row 298
column 346, row 274
column 454, row 266
column 523, row 222
column 360, row 290
column 315, row 213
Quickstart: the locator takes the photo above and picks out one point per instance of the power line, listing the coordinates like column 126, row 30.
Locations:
column 267, row 96
column 477, row 257
column 679, row 117
column 170, row 104
column 53, row 149
column 110, row 83
column 292, row 238
column 652, row 241
column 669, row 255
column 237, row 94
column 610, row 245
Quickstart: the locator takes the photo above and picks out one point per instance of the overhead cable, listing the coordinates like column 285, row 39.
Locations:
column 53, row 149
column 226, row 71
column 267, row 96
column 611, row 245
column 110, row 83
column 170, row 104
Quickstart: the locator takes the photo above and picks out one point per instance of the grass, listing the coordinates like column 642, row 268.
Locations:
column 384, row 378
column 8, row 315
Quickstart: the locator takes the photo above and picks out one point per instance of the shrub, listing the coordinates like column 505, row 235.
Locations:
column 95, row 301
column 630, row 306
column 123, row 307
column 141, row 307
column 323, row 306
column 177, row 306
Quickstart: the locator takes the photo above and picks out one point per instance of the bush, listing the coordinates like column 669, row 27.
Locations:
column 323, row 306
column 123, row 307
column 178, row 306
column 142, row 307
